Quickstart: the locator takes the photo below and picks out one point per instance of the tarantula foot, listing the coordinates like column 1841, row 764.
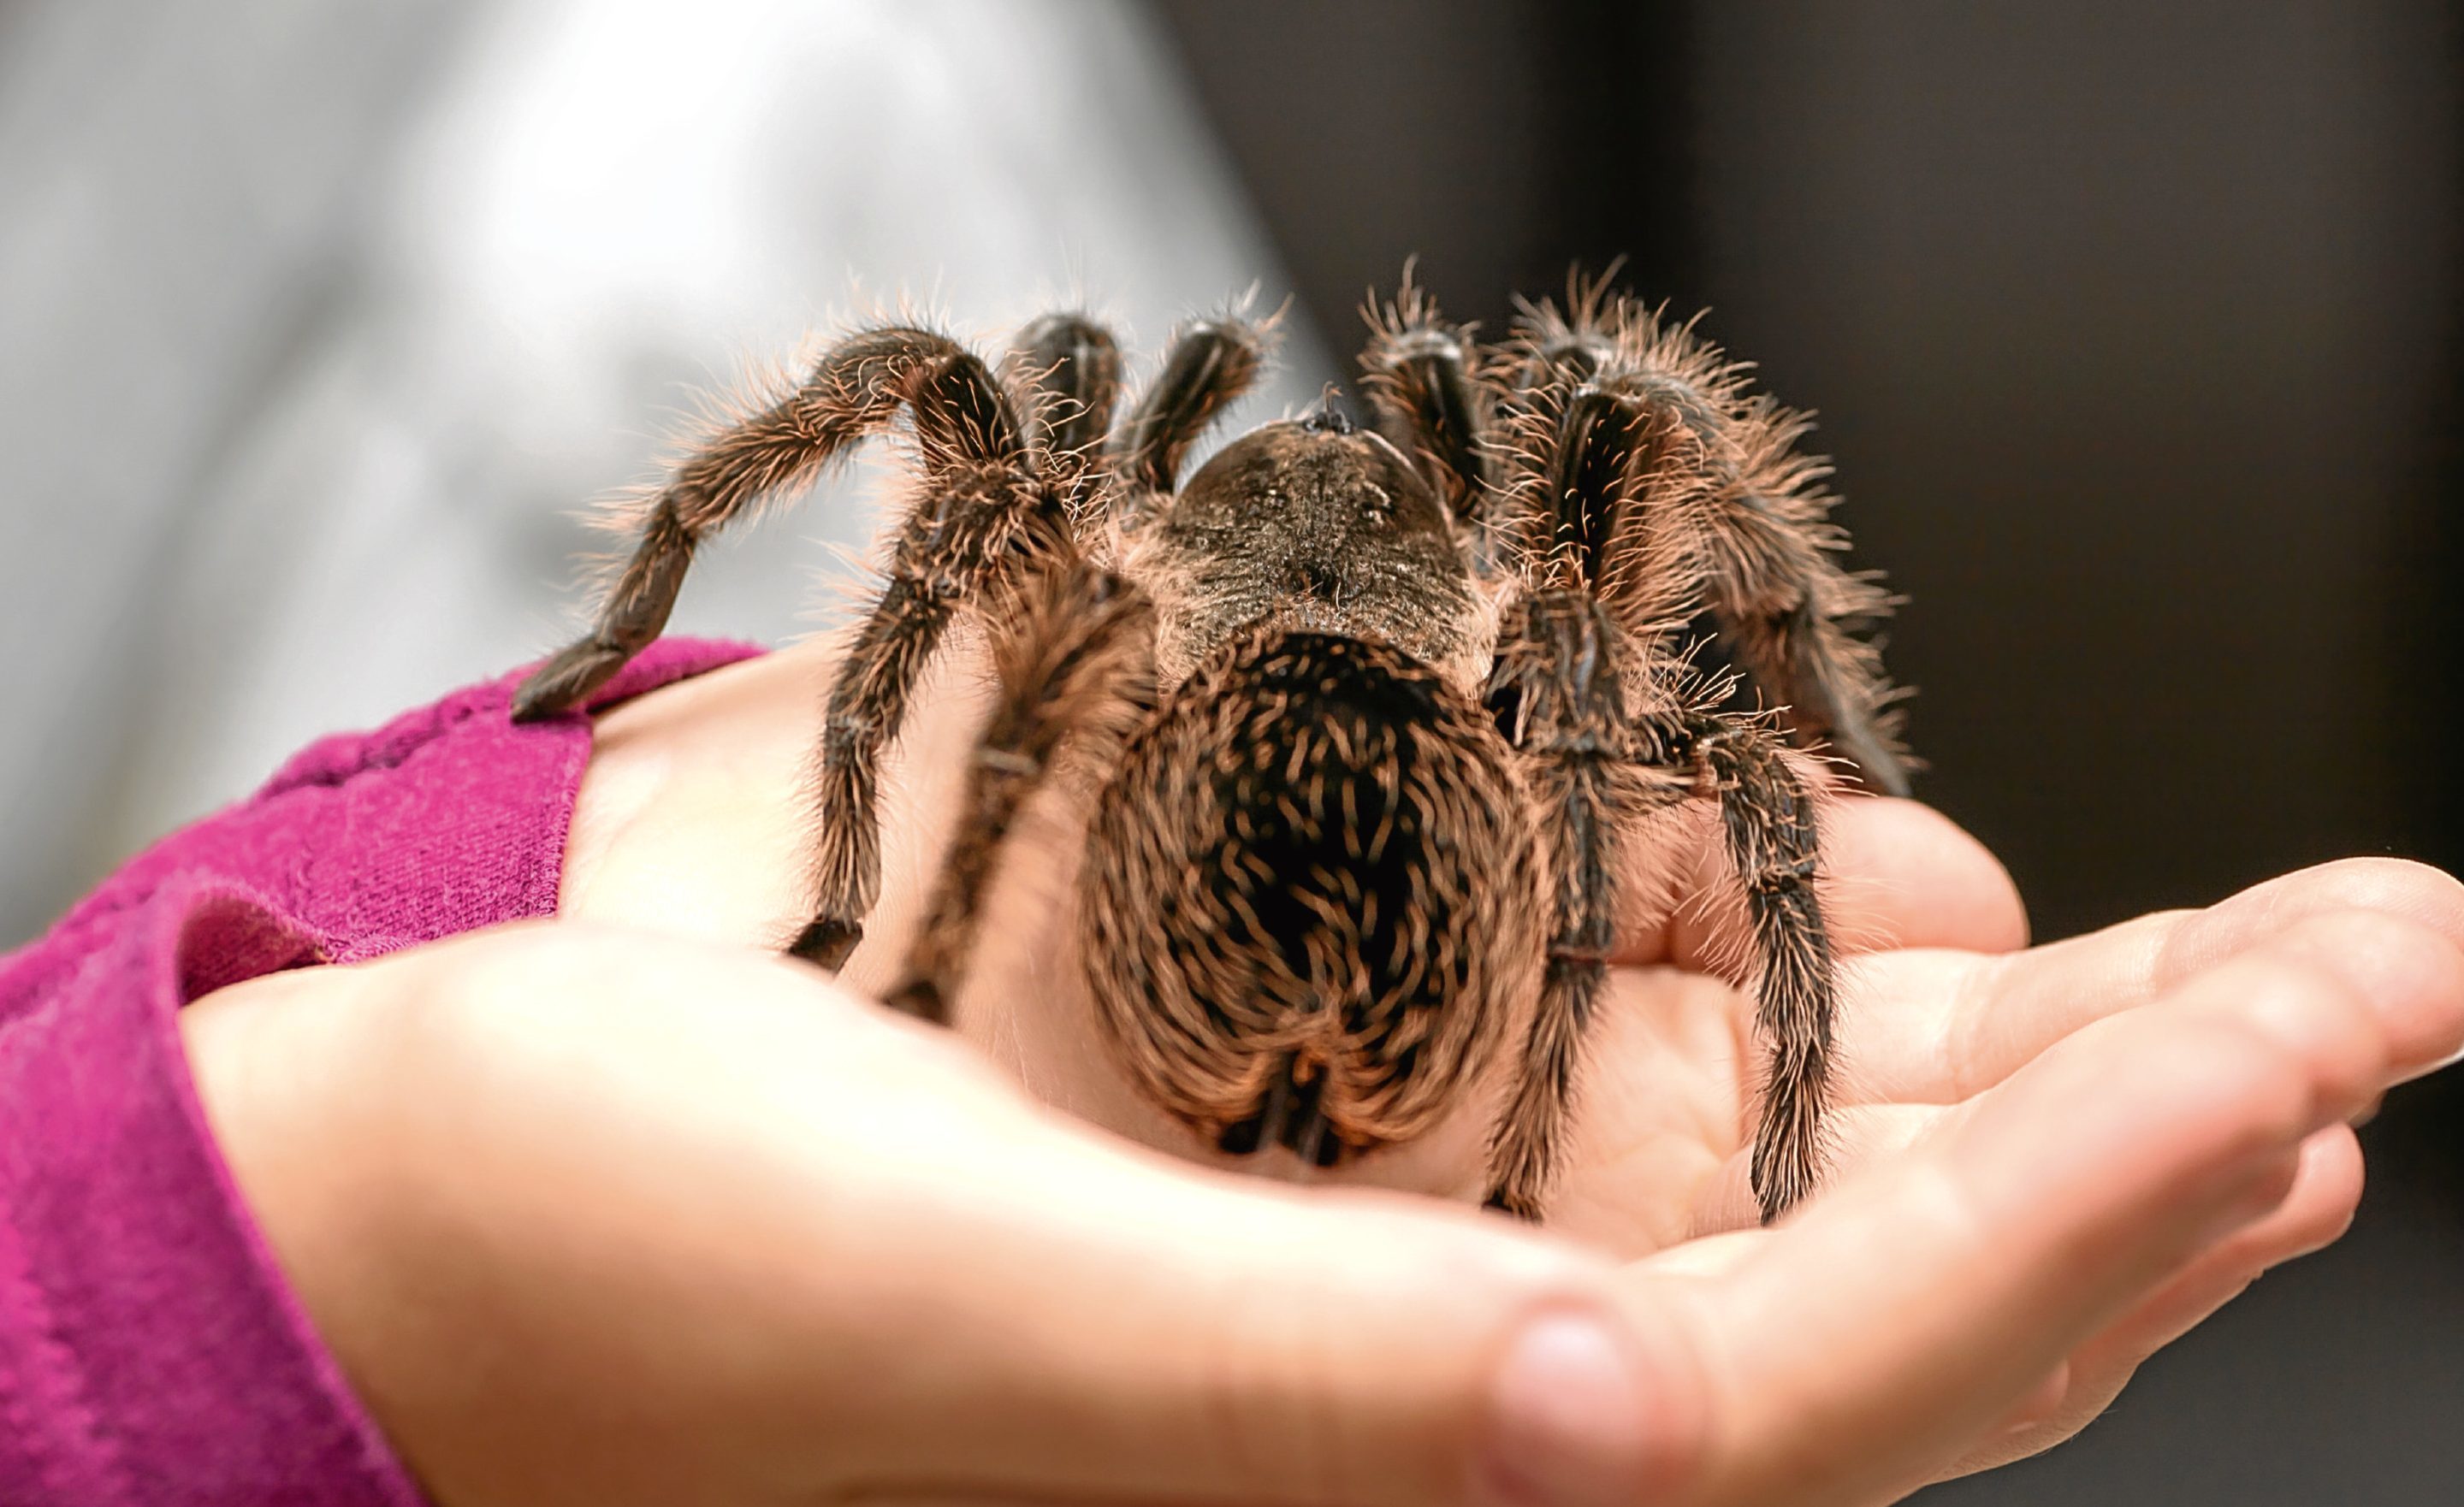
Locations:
column 826, row 941
column 558, row 685
column 921, row 998
column 1782, row 1178
column 1512, row 1204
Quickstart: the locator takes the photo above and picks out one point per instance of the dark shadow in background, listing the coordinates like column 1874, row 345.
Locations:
column 2140, row 337
column 1500, row 142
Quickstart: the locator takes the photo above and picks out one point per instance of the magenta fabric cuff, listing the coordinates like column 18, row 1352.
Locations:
column 151, row 1351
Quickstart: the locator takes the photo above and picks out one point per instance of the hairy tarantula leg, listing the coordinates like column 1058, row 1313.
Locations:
column 1080, row 661
column 1072, row 366
column 1557, row 688
column 1587, row 483
column 1211, row 363
column 1557, row 685
column 854, row 389
column 1417, row 377
column 979, row 516
column 1719, row 468
column 1767, row 583
column 1768, row 819
column 1569, row 347
column 1780, row 601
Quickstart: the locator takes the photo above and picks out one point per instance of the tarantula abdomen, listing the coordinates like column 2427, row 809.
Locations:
column 1311, row 910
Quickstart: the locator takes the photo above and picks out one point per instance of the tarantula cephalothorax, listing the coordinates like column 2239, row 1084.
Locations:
column 1378, row 705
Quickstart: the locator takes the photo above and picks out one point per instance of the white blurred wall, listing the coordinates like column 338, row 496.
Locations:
column 320, row 321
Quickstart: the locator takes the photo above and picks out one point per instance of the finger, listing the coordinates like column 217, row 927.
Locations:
column 1108, row 1325
column 2312, row 1216
column 1896, row 874
column 1902, row 874
column 2325, row 1185
column 1961, row 1275
column 2324, row 1189
column 1938, row 1027
column 2325, row 1181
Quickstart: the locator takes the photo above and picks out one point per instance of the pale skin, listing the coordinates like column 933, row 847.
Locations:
column 620, row 1209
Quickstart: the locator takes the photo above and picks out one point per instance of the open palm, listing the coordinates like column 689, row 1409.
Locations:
column 1991, row 1104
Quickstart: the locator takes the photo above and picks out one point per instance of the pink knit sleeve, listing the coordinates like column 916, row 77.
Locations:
column 149, row 1351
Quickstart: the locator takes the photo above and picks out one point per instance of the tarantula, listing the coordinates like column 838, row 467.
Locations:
column 1379, row 703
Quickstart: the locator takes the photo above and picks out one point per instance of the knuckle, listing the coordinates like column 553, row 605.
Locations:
column 2354, row 928
column 1692, row 1408
column 1667, row 1447
column 1324, row 1394
column 2316, row 1026
column 2410, row 976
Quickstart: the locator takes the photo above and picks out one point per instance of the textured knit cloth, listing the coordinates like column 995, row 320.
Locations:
column 149, row 1351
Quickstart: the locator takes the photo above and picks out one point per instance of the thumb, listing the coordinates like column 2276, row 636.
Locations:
column 999, row 1302
column 1089, row 1322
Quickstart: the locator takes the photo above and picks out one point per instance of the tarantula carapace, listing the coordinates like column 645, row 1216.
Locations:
column 1376, row 704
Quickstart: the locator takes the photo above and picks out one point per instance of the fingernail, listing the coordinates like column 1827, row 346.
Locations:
column 1566, row 1417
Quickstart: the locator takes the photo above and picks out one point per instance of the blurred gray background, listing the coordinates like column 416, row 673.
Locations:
column 2138, row 330
column 321, row 322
